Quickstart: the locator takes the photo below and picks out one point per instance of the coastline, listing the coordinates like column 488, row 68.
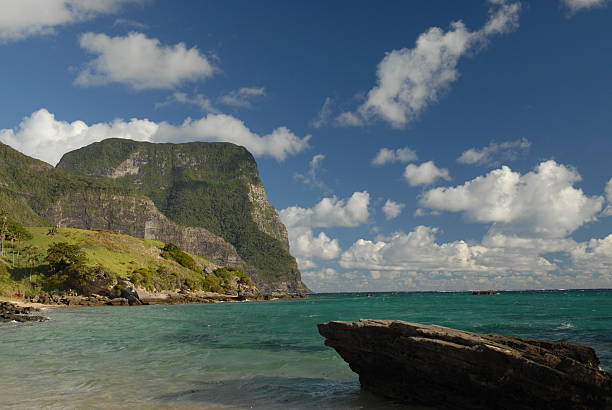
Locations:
column 140, row 298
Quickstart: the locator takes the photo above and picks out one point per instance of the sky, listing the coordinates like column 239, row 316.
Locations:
column 423, row 145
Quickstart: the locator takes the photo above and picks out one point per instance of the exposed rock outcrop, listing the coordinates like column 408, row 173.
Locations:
column 453, row 369
column 9, row 312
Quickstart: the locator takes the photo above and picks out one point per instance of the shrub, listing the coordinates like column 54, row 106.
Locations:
column 174, row 253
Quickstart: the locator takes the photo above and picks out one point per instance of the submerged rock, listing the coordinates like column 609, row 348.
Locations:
column 447, row 368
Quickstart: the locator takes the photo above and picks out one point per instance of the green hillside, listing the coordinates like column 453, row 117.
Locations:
column 26, row 269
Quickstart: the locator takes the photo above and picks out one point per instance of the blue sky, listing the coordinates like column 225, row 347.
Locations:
column 494, row 117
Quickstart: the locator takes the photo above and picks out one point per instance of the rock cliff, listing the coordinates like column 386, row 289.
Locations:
column 453, row 369
column 214, row 186
column 207, row 200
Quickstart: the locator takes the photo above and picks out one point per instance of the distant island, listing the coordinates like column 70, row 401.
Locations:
column 141, row 222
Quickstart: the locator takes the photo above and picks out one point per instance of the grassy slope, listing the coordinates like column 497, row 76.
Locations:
column 119, row 254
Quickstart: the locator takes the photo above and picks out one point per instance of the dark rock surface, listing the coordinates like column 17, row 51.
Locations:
column 453, row 369
column 10, row 312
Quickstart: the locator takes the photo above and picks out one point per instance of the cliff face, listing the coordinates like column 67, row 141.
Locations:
column 210, row 186
column 207, row 200
column 138, row 217
column 35, row 193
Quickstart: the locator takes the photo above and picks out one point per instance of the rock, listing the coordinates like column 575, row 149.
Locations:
column 447, row 368
column 10, row 312
column 118, row 302
column 246, row 292
column 128, row 291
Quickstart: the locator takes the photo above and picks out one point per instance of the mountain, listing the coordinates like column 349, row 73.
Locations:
column 205, row 197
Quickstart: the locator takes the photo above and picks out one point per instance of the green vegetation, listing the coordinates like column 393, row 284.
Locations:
column 201, row 184
column 174, row 253
column 91, row 261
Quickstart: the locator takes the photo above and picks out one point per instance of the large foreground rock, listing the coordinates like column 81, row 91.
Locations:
column 447, row 368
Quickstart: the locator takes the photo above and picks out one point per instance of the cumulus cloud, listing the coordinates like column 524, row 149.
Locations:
column 424, row 174
column 594, row 256
column 25, row 18
column 325, row 274
column 198, row 100
column 419, row 251
column 330, row 212
column 392, row 209
column 140, row 62
column 418, row 260
column 410, row 80
column 305, row 245
column 42, row 136
column 242, row 97
column 388, row 156
column 494, row 153
column 541, row 203
column 580, row 5
column 311, row 177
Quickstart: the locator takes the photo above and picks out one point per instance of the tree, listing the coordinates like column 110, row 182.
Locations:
column 64, row 257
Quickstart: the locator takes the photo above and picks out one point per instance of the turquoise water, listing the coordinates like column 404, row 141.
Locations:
column 254, row 355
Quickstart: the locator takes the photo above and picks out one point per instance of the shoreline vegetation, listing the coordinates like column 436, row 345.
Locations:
column 49, row 266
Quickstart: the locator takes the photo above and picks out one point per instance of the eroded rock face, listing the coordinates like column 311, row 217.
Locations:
column 453, row 369
column 138, row 217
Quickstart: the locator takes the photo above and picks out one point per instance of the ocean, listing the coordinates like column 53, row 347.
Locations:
column 254, row 355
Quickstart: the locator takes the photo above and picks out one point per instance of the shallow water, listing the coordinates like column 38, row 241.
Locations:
column 254, row 355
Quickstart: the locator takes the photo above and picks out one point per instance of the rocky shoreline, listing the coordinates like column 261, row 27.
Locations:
column 140, row 297
column 10, row 312
column 453, row 369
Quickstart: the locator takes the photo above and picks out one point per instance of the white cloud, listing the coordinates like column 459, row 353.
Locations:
column 541, row 203
column 42, row 136
column 416, row 260
column 141, row 62
column 129, row 23
column 330, row 212
column 324, row 115
column 579, row 5
column 311, row 177
column 392, row 209
column 594, row 256
column 388, row 156
column 608, row 210
column 25, row 18
column 409, row 80
column 419, row 251
column 198, row 100
column 305, row 245
column 495, row 152
column 242, row 97
column 424, row 174
column 325, row 274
